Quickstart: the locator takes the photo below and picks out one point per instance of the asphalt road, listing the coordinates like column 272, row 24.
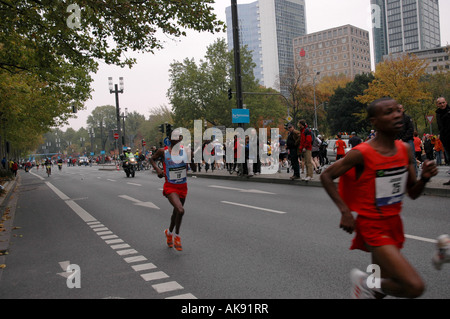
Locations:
column 241, row 240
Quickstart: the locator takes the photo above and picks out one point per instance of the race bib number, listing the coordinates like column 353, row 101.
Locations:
column 390, row 185
column 177, row 174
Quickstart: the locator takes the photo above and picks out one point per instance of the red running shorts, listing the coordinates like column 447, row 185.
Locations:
column 180, row 189
column 378, row 232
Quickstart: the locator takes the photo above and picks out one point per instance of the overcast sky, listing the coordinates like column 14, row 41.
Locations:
column 146, row 84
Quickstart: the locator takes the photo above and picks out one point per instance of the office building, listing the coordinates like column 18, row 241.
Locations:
column 342, row 50
column 404, row 25
column 437, row 59
column 268, row 27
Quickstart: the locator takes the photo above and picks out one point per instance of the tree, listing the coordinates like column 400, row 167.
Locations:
column 132, row 124
column 103, row 120
column 150, row 128
column 399, row 78
column 298, row 87
column 54, row 46
column 345, row 112
column 199, row 91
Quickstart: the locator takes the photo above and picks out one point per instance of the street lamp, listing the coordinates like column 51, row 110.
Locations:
column 124, row 116
column 315, row 107
column 92, row 136
column 116, row 90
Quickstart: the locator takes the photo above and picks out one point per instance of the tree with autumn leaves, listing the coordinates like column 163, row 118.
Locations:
column 49, row 49
column 401, row 79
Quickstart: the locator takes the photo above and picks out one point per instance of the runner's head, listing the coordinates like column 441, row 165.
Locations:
column 386, row 115
column 175, row 137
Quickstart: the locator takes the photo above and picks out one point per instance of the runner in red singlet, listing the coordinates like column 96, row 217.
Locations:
column 374, row 176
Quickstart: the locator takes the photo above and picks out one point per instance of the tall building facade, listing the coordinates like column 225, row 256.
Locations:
column 343, row 50
column 268, row 27
column 404, row 25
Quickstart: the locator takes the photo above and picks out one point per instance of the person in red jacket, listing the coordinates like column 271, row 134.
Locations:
column 373, row 178
column 340, row 146
column 306, row 148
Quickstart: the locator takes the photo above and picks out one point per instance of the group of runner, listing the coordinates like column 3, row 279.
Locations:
column 374, row 176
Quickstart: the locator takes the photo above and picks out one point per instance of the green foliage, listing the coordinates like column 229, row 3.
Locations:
column 46, row 60
column 345, row 113
column 200, row 91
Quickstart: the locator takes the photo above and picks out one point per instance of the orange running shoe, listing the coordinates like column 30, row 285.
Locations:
column 169, row 238
column 178, row 243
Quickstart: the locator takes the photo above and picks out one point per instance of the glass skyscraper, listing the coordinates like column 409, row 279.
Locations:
column 404, row 25
column 268, row 27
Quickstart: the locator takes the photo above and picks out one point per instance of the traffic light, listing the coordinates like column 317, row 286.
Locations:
column 168, row 129
column 161, row 128
column 230, row 94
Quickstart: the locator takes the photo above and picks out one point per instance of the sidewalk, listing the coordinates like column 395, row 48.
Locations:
column 435, row 187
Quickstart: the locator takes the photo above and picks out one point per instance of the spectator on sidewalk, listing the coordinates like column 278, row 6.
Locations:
column 443, row 121
column 306, row 148
column 292, row 144
column 14, row 168
column 438, row 149
column 407, row 133
column 340, row 146
column 418, row 149
column 354, row 140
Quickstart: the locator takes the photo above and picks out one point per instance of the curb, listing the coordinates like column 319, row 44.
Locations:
column 9, row 185
column 260, row 179
column 428, row 191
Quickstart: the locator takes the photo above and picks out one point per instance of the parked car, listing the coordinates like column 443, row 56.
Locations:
column 331, row 152
column 83, row 160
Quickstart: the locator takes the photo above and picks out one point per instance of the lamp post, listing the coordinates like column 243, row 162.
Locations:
column 315, row 107
column 92, row 136
column 116, row 89
column 124, row 116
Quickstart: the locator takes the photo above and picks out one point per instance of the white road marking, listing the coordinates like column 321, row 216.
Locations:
column 84, row 215
column 254, row 207
column 127, row 252
column 167, row 286
column 154, row 276
column 135, row 259
column 120, row 246
column 138, row 202
column 243, row 190
column 142, row 267
column 134, row 184
column 428, row 240
column 184, row 296
column 40, row 177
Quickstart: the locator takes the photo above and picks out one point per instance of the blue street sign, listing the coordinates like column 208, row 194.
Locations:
column 167, row 141
column 240, row 116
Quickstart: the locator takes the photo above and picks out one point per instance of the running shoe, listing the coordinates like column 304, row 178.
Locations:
column 178, row 243
column 442, row 254
column 169, row 238
column 360, row 290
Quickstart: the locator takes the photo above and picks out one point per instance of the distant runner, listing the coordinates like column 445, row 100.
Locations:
column 175, row 187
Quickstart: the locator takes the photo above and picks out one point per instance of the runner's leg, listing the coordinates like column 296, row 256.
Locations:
column 178, row 212
column 399, row 278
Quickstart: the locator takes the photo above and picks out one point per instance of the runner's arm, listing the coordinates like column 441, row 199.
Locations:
column 429, row 169
column 354, row 158
column 157, row 155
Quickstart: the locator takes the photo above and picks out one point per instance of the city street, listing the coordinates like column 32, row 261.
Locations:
column 241, row 240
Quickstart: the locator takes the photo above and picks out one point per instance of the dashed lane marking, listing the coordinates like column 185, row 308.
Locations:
column 131, row 256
